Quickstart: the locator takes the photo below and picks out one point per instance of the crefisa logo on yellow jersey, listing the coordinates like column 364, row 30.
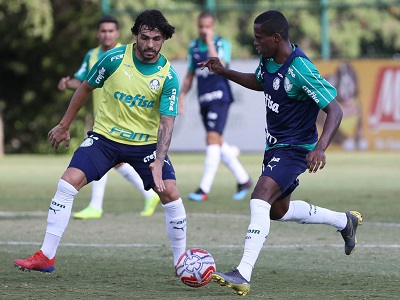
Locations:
column 154, row 84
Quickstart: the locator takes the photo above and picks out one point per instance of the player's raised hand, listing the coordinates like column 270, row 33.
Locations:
column 209, row 36
column 57, row 135
column 213, row 64
column 62, row 84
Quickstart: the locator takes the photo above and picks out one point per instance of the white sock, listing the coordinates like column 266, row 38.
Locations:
column 257, row 233
column 302, row 212
column 98, row 189
column 175, row 219
column 211, row 163
column 50, row 245
column 232, row 162
column 133, row 177
column 58, row 217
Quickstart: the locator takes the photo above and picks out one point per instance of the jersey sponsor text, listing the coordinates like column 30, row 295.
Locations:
column 138, row 100
column 100, row 75
column 129, row 134
column 270, row 104
column 310, row 93
column 172, row 100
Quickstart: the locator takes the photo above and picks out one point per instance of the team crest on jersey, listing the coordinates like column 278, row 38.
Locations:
column 154, row 84
column 87, row 142
column 276, row 83
column 287, row 84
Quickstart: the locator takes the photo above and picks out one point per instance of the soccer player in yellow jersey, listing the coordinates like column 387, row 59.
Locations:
column 133, row 124
column 107, row 33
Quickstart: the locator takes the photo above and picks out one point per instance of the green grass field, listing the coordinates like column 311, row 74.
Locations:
column 125, row 256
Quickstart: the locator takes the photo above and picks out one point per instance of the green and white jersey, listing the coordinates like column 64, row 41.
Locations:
column 135, row 93
column 294, row 93
column 302, row 80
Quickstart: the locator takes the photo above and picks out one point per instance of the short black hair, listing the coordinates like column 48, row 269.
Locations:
column 107, row 19
column 206, row 14
column 273, row 21
column 153, row 19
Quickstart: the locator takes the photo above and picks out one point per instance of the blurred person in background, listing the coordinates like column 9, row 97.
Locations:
column 215, row 97
column 107, row 33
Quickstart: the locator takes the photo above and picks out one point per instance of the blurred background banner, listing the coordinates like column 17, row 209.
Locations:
column 44, row 40
column 368, row 92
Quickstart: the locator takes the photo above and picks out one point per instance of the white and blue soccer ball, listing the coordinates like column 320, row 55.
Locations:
column 195, row 267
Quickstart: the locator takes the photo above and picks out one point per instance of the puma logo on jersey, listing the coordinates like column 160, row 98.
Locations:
column 274, row 159
column 127, row 74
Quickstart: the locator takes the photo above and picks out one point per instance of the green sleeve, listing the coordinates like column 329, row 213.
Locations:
column 308, row 83
column 170, row 93
column 224, row 50
column 84, row 68
column 190, row 56
column 258, row 73
column 105, row 67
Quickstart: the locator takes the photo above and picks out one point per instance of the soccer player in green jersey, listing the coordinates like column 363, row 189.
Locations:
column 294, row 94
column 107, row 33
column 133, row 124
column 215, row 98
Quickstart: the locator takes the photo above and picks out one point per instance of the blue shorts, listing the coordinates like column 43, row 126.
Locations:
column 284, row 165
column 214, row 115
column 97, row 155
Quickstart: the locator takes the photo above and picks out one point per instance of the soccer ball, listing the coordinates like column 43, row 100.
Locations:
column 195, row 267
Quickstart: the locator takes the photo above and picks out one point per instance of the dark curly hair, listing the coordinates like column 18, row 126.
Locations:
column 153, row 19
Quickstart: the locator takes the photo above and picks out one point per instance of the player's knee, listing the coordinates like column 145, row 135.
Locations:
column 279, row 209
column 75, row 177
column 170, row 194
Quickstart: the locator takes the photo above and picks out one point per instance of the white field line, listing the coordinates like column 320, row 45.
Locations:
column 198, row 215
column 96, row 245
column 291, row 246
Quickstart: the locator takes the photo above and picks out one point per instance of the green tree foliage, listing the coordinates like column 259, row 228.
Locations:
column 44, row 40
column 41, row 41
column 365, row 32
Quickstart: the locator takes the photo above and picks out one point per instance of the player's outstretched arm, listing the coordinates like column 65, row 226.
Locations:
column 187, row 84
column 61, row 132
column 68, row 83
column 248, row 80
